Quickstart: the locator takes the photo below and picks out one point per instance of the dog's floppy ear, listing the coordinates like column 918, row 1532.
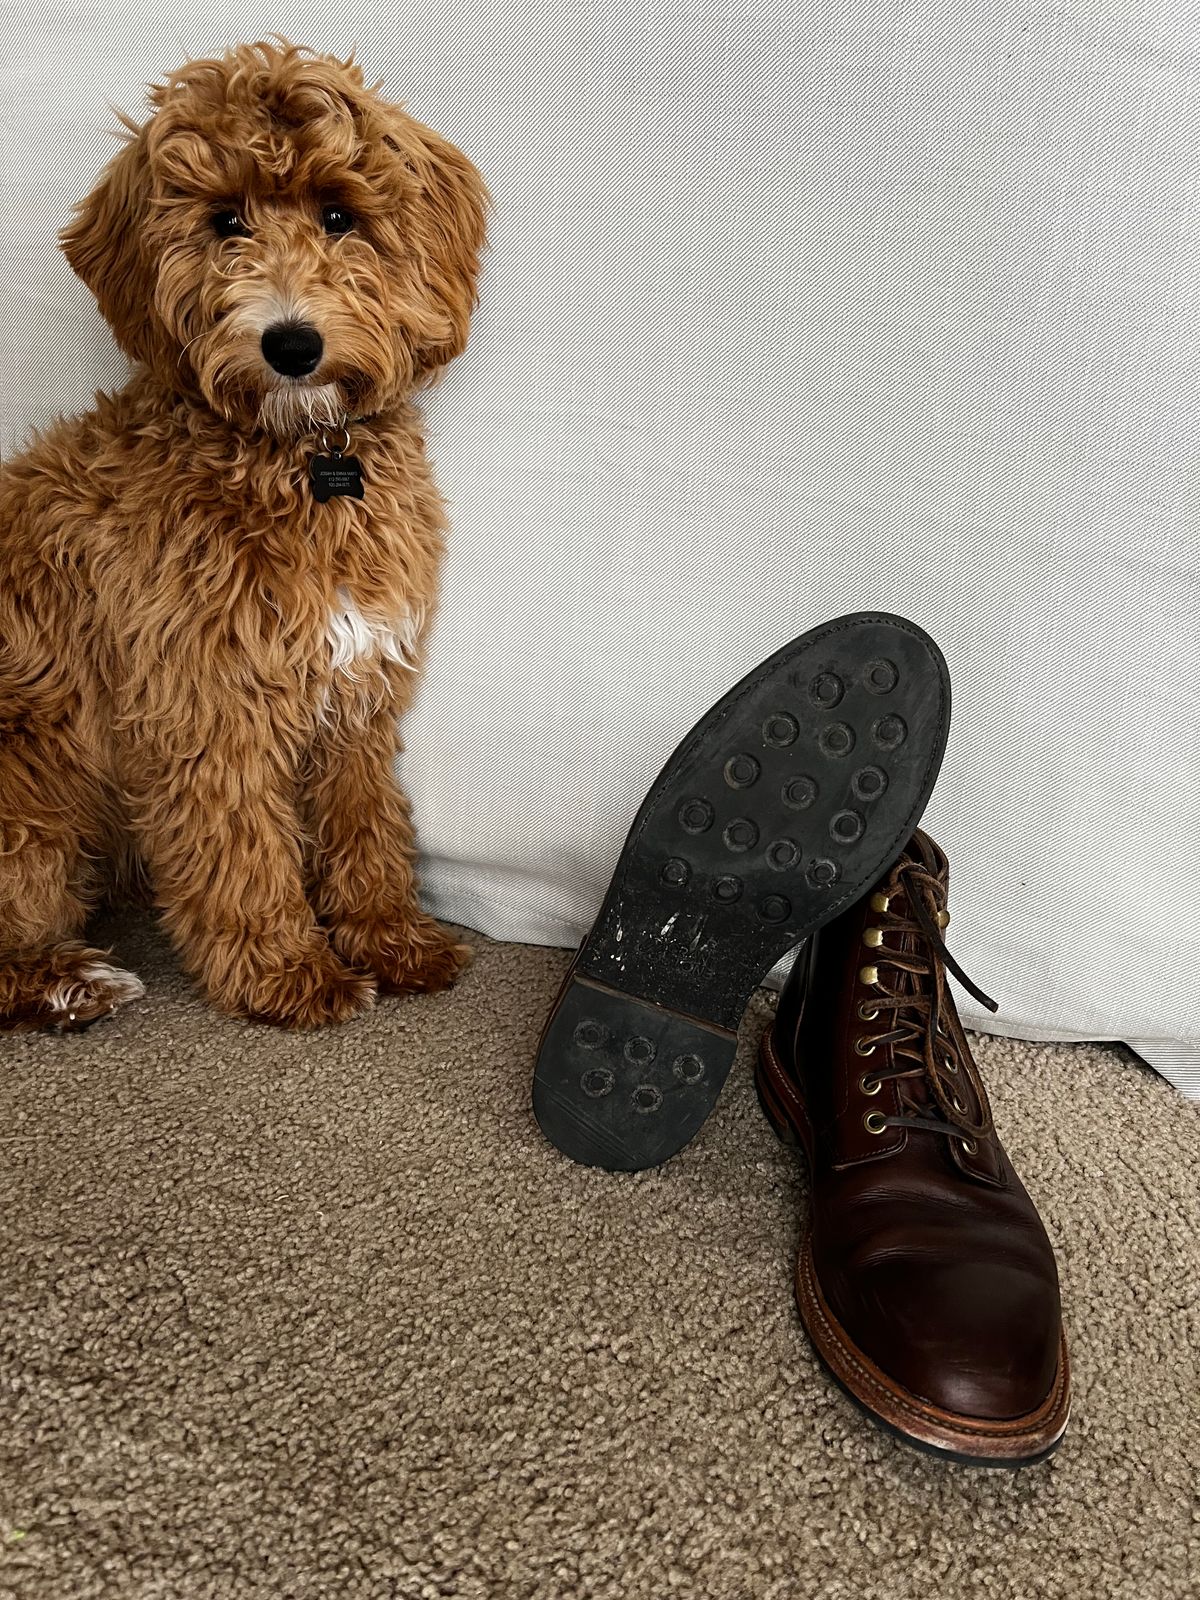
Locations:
column 104, row 245
column 449, row 222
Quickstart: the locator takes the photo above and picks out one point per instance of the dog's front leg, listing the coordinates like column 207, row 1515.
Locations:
column 364, row 860
column 221, row 835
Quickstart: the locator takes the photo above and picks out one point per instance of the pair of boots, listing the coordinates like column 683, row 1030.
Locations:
column 788, row 817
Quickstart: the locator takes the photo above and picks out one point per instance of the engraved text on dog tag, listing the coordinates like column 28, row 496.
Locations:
column 336, row 474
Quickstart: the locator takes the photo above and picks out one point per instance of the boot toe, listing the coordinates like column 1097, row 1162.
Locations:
column 975, row 1338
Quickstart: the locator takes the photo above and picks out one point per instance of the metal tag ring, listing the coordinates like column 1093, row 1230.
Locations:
column 336, row 450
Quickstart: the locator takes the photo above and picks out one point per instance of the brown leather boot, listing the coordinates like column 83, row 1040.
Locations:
column 925, row 1278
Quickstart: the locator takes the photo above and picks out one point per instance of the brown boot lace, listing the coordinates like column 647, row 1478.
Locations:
column 918, row 1003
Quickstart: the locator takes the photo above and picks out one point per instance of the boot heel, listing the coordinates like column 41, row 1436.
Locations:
column 622, row 1083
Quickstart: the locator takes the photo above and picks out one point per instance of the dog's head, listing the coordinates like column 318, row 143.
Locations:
column 282, row 239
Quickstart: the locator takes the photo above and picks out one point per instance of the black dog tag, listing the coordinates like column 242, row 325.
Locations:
column 336, row 474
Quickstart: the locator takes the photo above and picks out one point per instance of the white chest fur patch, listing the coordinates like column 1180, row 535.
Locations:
column 356, row 643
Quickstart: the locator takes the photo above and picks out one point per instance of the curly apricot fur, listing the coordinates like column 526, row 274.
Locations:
column 171, row 708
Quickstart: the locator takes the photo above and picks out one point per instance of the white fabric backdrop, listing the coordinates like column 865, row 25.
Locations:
column 791, row 310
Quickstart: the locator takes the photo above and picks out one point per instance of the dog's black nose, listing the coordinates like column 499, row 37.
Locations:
column 293, row 348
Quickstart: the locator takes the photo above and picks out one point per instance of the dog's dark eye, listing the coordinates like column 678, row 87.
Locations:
column 228, row 225
column 336, row 219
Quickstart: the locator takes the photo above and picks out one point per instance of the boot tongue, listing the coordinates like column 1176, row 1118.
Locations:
column 916, row 1089
column 923, row 851
column 929, row 1057
column 922, row 860
column 928, row 858
column 917, row 893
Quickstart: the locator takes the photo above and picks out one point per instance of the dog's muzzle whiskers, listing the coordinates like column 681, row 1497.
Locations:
column 285, row 408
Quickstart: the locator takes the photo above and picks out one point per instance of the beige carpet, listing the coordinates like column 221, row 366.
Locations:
column 324, row 1316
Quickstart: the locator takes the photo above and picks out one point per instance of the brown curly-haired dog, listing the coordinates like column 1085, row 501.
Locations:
column 201, row 661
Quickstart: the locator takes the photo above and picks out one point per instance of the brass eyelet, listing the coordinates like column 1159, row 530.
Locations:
column 875, row 1122
column 880, row 902
column 957, row 1103
column 864, row 1047
column 969, row 1146
column 871, row 1087
column 873, row 938
column 869, row 976
column 951, row 1065
column 867, row 1013
column 943, row 919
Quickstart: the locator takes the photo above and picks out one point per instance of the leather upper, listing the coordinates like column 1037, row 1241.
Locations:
column 926, row 1246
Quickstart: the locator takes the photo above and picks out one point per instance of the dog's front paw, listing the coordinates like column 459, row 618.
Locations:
column 308, row 993
column 407, row 957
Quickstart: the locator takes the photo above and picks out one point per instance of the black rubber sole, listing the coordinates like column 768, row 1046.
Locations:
column 784, row 804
